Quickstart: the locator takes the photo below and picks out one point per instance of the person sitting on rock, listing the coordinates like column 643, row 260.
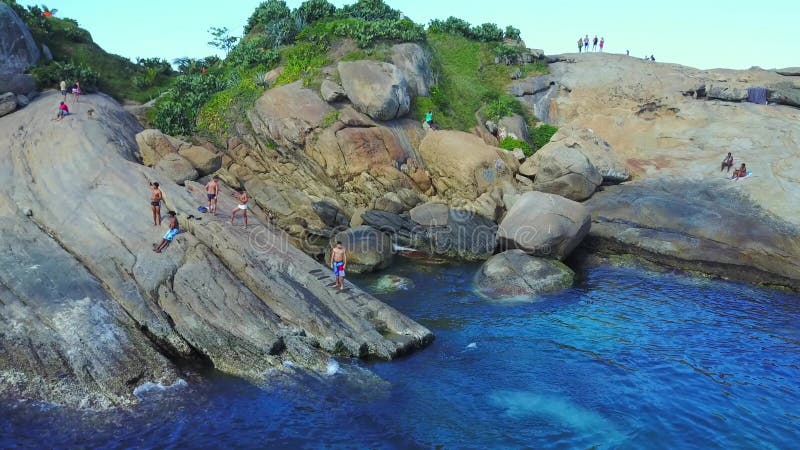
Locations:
column 63, row 110
column 171, row 233
column 741, row 172
column 727, row 163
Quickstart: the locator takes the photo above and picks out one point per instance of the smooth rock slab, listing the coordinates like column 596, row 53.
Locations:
column 515, row 274
column 367, row 249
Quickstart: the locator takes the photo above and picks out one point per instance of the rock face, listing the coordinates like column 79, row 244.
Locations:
column 563, row 171
column 516, row 275
column 18, row 50
column 332, row 92
column 367, row 249
column 544, row 225
column 785, row 94
column 515, row 127
column 8, row 103
column 464, row 235
column 696, row 226
column 154, row 145
column 377, row 89
column 412, row 60
column 289, row 113
column 727, row 93
column 462, row 167
column 202, row 159
column 595, row 149
column 88, row 311
column 432, row 214
column 177, row 168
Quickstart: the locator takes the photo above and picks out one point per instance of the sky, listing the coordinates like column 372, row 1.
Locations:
column 702, row 34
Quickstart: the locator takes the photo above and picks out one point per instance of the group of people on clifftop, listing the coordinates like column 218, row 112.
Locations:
column 583, row 44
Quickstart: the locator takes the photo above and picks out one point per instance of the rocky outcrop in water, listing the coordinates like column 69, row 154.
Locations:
column 89, row 311
column 515, row 274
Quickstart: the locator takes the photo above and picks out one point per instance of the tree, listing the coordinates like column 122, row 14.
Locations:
column 313, row 10
column 370, row 10
column 221, row 39
column 513, row 33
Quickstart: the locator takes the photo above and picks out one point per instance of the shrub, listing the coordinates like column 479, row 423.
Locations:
column 275, row 20
column 176, row 111
column 52, row 73
column 510, row 144
column 161, row 66
column 365, row 33
column 302, row 61
column 510, row 54
column 503, row 106
column 311, row 11
column 223, row 109
column 370, row 10
column 542, row 134
column 253, row 51
column 146, row 79
column 487, row 32
column 513, row 33
column 452, row 25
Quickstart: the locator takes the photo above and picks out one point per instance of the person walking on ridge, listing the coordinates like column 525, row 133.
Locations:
column 171, row 233
column 580, row 45
column 602, row 44
column 76, row 90
column 594, row 43
column 241, row 196
column 156, row 196
column 586, row 43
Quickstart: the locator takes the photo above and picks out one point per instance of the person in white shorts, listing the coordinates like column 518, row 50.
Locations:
column 241, row 196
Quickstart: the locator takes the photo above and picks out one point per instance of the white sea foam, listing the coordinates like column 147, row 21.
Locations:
column 288, row 363
column 333, row 367
column 472, row 345
column 400, row 248
column 149, row 386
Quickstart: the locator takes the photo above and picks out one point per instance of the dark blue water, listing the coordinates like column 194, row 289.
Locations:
column 628, row 359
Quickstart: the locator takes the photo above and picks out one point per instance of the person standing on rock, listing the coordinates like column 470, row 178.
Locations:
column 241, row 196
column 76, row 90
column 602, row 44
column 338, row 264
column 727, row 163
column 171, row 233
column 586, row 43
column 580, row 45
column 594, row 43
column 212, row 192
column 156, row 196
column 63, row 87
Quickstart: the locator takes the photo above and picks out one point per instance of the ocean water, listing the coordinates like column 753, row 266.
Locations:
column 626, row 359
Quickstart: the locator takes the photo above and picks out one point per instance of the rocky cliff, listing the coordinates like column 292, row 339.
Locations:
column 670, row 126
column 88, row 311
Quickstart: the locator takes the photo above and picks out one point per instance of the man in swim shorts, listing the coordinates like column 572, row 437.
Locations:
column 338, row 264
column 155, row 202
column 171, row 233
column 212, row 191
column 241, row 196
column 727, row 163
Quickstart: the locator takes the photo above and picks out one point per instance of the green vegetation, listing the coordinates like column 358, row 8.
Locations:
column 330, row 118
column 77, row 57
column 509, row 143
column 302, row 61
column 468, row 80
column 176, row 111
column 542, row 134
column 227, row 107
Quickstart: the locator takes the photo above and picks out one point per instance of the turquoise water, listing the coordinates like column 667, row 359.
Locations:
column 627, row 359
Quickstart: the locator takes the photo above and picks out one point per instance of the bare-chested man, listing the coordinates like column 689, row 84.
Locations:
column 338, row 264
column 212, row 191
column 171, row 233
column 156, row 196
column 241, row 196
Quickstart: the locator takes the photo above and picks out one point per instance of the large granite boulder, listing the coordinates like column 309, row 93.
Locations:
column 332, row 91
column 431, row 214
column 202, row 159
column 18, row 50
column 596, row 149
column 697, row 226
column 154, row 145
column 515, row 274
column 462, row 166
column 515, row 126
column 789, row 71
column 177, row 168
column 377, row 89
column 18, row 83
column 367, row 249
column 545, row 225
column 94, row 312
column 785, row 94
column 8, row 103
column 287, row 114
column 727, row 93
column 415, row 64
column 562, row 170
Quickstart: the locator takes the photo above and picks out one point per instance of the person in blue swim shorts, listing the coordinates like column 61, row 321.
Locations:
column 338, row 264
column 171, row 233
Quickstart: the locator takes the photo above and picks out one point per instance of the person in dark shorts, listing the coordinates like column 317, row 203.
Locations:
column 171, row 233
column 727, row 163
column 63, row 88
column 212, row 192
column 156, row 196
column 338, row 264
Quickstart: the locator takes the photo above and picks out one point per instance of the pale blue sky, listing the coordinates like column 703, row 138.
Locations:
column 704, row 34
